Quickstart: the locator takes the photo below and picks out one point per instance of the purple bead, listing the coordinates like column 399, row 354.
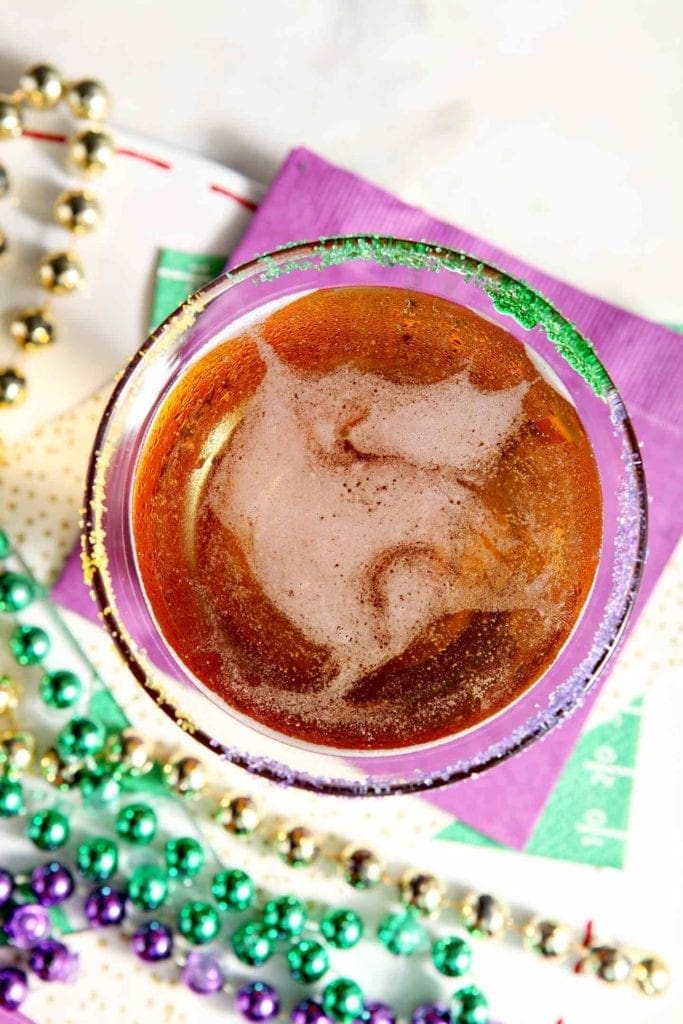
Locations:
column 153, row 941
column 6, row 887
column 51, row 960
column 105, row 906
column 258, row 1001
column 431, row 1013
column 51, row 883
column 378, row 1013
column 26, row 925
column 308, row 1011
column 13, row 988
column 202, row 973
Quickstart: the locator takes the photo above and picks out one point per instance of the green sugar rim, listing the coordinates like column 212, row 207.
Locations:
column 508, row 296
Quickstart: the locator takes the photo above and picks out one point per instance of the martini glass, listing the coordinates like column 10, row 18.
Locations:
column 204, row 320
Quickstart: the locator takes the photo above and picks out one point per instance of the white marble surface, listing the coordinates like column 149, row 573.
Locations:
column 551, row 127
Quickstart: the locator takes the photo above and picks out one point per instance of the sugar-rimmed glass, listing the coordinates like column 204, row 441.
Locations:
column 206, row 318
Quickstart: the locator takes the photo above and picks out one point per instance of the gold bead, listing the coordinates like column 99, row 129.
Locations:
column 61, row 272
column 187, row 777
column 609, row 964
column 485, row 916
column 54, row 771
column 550, row 939
column 78, row 211
column 4, row 182
column 88, row 99
column 16, row 750
column 9, row 694
column 297, row 846
column 42, row 86
column 92, row 150
column 362, row 868
column 421, row 891
column 130, row 751
column 652, row 976
column 3, row 243
column 12, row 387
column 239, row 815
column 32, row 328
column 11, row 120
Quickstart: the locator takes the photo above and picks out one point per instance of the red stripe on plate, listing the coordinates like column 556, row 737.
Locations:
column 43, row 136
column 154, row 160
column 242, row 200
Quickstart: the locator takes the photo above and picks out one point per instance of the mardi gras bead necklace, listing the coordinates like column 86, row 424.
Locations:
column 90, row 151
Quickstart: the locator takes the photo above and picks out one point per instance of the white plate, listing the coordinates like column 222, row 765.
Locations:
column 153, row 197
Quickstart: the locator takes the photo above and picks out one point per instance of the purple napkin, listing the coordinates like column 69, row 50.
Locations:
column 310, row 198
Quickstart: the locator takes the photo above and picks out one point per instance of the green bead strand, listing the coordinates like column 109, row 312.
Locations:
column 307, row 960
column 452, row 956
column 402, row 934
column 470, row 1006
column 60, row 689
column 184, row 857
column 148, row 887
column 137, row 823
column 11, row 798
column 29, row 645
column 284, row 917
column 4, row 544
column 343, row 1000
column 97, row 859
column 16, row 592
column 198, row 922
column 80, row 738
column 233, row 889
column 252, row 944
column 342, row 928
column 48, row 829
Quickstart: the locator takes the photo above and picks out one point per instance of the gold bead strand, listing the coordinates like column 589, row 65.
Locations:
column 77, row 210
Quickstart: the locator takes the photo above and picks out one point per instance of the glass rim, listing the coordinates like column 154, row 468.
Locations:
column 510, row 297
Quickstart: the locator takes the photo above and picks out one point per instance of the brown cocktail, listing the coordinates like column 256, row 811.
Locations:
column 369, row 521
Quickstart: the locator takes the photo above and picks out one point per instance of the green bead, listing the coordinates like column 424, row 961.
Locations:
column 343, row 1000
column 252, row 944
column 29, row 644
column 198, row 922
column 80, row 738
column 11, row 798
column 137, row 823
column 97, row 859
column 452, row 956
column 16, row 592
column 307, row 960
column 342, row 928
column 4, row 544
column 233, row 889
column 402, row 934
column 48, row 829
column 284, row 917
column 184, row 857
column 99, row 788
column 148, row 887
column 60, row 689
column 470, row 1006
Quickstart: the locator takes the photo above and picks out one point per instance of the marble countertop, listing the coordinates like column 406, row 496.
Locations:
column 553, row 129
